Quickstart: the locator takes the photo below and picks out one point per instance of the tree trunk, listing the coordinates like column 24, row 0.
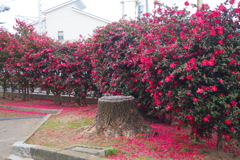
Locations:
column 118, row 116
column 28, row 93
column 219, row 140
column 4, row 89
column 58, row 99
column 12, row 90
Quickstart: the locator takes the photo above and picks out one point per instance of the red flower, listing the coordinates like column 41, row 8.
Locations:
column 186, row 3
column 159, row 71
column 168, row 79
column 237, row 10
column 185, row 47
column 142, row 42
column 233, row 61
column 222, row 8
column 189, row 77
column 206, row 119
column 221, row 81
column 193, row 60
column 232, row 2
column 216, row 52
column 205, row 62
column 212, row 32
column 190, row 117
column 220, row 32
column 213, row 88
column 194, row 99
column 220, row 42
column 228, row 122
column 172, row 65
column 227, row 137
column 170, row 92
column 200, row 90
column 217, row 21
column 229, row 36
column 211, row 63
column 232, row 129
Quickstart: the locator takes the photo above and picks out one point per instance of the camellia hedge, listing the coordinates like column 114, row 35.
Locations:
column 171, row 61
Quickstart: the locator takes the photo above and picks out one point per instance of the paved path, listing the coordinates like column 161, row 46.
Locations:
column 15, row 130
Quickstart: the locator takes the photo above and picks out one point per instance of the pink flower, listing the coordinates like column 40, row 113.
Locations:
column 200, row 90
column 228, row 122
column 185, row 47
column 216, row 52
column 193, row 60
column 170, row 92
column 190, row 117
column 217, row 21
column 194, row 99
column 220, row 42
column 142, row 42
column 233, row 61
column 212, row 32
column 232, row 2
column 188, row 93
column 205, row 62
column 189, row 77
column 232, row 129
column 168, row 79
column 222, row 8
column 221, row 81
column 213, row 88
column 227, row 137
column 172, row 65
column 186, row 3
column 220, row 32
column 211, row 63
column 229, row 36
column 159, row 71
column 206, row 119
column 169, row 107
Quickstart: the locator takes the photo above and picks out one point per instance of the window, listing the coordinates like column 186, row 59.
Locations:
column 60, row 35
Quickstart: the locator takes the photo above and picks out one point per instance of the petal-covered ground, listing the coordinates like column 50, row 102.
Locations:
column 6, row 113
column 63, row 130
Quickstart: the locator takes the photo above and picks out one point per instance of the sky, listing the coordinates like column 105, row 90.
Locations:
column 107, row 9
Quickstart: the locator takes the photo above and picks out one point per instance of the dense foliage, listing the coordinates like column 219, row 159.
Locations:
column 186, row 65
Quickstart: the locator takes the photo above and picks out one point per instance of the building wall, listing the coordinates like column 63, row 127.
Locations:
column 72, row 23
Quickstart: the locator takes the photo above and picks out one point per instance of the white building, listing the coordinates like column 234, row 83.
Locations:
column 67, row 21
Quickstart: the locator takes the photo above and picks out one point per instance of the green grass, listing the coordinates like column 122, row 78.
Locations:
column 192, row 142
column 111, row 151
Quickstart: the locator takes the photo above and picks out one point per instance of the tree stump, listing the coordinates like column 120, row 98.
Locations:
column 118, row 116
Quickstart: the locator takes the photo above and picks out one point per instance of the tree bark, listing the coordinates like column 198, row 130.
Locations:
column 28, row 92
column 12, row 90
column 118, row 116
column 219, row 140
column 4, row 89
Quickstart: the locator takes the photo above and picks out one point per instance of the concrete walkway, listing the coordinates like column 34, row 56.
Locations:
column 14, row 130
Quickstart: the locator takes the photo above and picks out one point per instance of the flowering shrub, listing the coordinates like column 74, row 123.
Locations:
column 23, row 63
column 75, row 68
column 4, row 75
column 39, row 61
column 188, row 64
column 199, row 65
column 115, row 60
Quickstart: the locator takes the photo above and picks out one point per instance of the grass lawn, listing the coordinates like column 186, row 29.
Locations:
column 171, row 143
